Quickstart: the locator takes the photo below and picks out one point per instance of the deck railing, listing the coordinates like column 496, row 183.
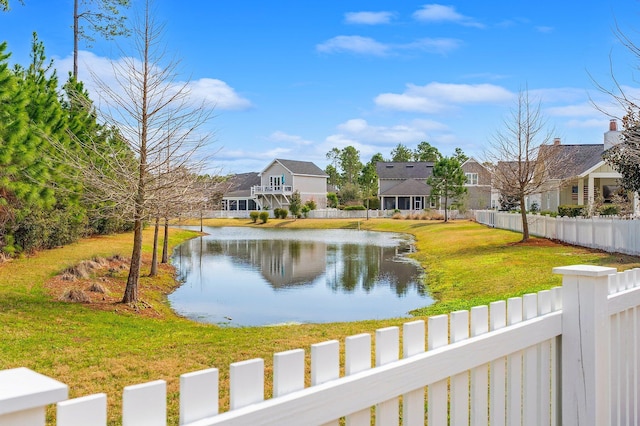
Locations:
column 566, row 356
column 278, row 189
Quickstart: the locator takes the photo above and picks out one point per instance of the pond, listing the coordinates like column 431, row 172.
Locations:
column 242, row 276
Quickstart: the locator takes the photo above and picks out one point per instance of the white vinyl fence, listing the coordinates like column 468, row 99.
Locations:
column 566, row 356
column 608, row 233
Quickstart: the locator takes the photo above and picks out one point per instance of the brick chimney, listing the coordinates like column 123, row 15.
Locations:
column 556, row 141
column 613, row 125
column 613, row 136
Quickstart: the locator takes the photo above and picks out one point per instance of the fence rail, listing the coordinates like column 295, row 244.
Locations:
column 566, row 356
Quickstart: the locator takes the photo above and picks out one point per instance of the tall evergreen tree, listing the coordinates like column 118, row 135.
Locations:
column 14, row 125
column 447, row 182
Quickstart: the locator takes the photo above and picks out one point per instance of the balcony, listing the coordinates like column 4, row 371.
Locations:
column 272, row 190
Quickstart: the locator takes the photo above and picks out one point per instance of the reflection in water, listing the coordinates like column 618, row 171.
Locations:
column 310, row 276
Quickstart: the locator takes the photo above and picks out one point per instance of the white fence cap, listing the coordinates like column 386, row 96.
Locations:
column 23, row 389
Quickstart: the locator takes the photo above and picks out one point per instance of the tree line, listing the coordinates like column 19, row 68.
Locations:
column 69, row 169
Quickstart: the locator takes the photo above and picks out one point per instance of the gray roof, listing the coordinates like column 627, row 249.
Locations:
column 240, row 185
column 404, row 170
column 302, row 167
column 409, row 187
column 575, row 159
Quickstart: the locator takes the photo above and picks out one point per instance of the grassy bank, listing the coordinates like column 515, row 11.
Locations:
column 103, row 350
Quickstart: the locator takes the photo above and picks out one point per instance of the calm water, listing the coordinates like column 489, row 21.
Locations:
column 249, row 276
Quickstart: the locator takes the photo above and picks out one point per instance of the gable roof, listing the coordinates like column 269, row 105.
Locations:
column 404, row 170
column 575, row 160
column 298, row 167
column 409, row 187
column 240, row 185
column 473, row 160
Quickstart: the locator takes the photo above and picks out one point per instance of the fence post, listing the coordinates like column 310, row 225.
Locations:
column 585, row 345
column 24, row 395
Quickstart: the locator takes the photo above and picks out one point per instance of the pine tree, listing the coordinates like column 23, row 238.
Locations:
column 447, row 182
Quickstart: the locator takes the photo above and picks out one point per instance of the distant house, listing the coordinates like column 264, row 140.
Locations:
column 238, row 196
column 273, row 187
column 478, row 185
column 584, row 176
column 403, row 185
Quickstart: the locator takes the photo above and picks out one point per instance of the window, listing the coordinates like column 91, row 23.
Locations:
column 472, row 178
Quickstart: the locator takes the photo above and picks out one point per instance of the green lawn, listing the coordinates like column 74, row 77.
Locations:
column 104, row 350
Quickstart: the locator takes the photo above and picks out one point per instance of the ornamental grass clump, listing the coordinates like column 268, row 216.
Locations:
column 75, row 295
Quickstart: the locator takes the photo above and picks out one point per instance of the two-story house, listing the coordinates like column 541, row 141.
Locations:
column 478, row 184
column 273, row 187
column 403, row 185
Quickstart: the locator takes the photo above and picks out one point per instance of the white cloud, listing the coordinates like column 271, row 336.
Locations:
column 592, row 123
column 368, row 46
column 213, row 92
column 437, row 97
column 218, row 93
column 353, row 44
column 442, row 13
column 368, row 18
column 360, row 130
column 577, row 110
column 280, row 136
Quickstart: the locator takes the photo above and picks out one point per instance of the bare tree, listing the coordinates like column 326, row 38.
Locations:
column 522, row 159
column 159, row 124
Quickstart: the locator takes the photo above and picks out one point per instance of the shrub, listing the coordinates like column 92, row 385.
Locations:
column 358, row 207
column 609, row 210
column 284, row 213
column 305, row 211
column 571, row 210
column 264, row 217
column 254, row 216
column 374, row 203
column 311, row 205
column 276, row 213
column 397, row 216
column 548, row 213
column 332, row 199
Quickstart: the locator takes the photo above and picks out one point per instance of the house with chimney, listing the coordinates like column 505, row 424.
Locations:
column 584, row 177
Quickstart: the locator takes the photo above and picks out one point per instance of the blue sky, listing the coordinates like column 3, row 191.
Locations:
column 294, row 79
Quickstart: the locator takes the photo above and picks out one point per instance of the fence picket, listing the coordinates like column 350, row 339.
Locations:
column 198, row 395
column 437, row 337
column 387, row 347
column 246, row 383
column 413, row 341
column 358, row 358
column 145, row 404
column 88, row 410
column 325, row 365
column 459, row 329
column 497, row 379
column 514, row 367
column 479, row 375
column 544, row 361
column 531, row 406
column 288, row 372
